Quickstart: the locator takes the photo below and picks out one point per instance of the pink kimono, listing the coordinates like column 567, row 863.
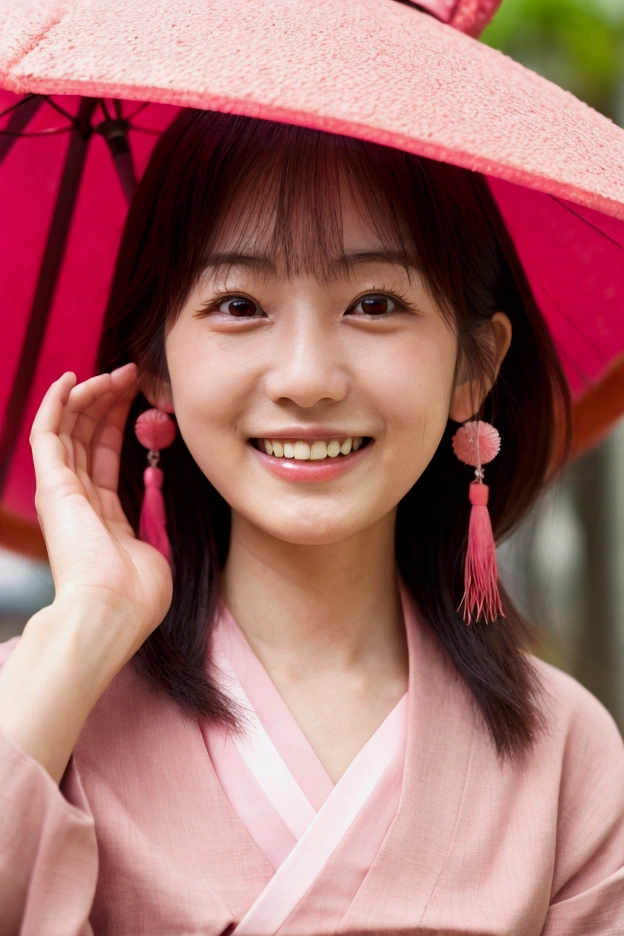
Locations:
column 163, row 826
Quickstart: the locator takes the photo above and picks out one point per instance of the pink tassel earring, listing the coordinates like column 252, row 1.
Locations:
column 155, row 431
column 476, row 443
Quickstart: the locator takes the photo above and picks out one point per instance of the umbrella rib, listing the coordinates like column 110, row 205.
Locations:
column 57, row 107
column 17, row 104
column 571, row 321
column 20, row 117
column 145, row 130
column 585, row 221
column 51, row 131
column 138, row 110
column 115, row 133
column 48, row 277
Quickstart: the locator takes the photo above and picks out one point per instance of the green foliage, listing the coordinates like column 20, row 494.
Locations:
column 579, row 44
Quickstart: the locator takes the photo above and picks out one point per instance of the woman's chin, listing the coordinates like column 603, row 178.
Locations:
column 315, row 529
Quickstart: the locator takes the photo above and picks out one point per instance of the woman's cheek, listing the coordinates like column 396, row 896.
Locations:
column 417, row 389
column 205, row 415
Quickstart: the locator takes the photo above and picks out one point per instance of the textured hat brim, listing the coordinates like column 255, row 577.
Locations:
column 374, row 69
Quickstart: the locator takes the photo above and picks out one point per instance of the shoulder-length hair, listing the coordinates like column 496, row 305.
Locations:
column 446, row 220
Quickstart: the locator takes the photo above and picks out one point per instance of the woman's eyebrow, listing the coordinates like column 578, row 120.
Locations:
column 351, row 258
column 230, row 258
column 384, row 255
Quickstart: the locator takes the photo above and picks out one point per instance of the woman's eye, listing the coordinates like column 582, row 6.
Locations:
column 238, row 306
column 375, row 306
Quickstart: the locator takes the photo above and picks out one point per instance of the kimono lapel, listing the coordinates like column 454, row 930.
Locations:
column 404, row 874
column 256, row 780
column 317, row 845
column 269, row 709
column 317, row 834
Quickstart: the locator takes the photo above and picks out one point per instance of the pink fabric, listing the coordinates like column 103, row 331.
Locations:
column 532, row 849
column 333, row 891
column 266, row 818
column 375, row 773
column 287, row 736
column 266, row 827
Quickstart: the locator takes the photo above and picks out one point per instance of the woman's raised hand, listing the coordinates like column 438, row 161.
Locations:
column 96, row 560
column 112, row 590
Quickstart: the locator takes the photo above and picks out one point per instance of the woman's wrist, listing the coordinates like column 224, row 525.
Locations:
column 96, row 636
column 67, row 656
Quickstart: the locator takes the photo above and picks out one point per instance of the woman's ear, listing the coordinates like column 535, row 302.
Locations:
column 469, row 394
column 156, row 392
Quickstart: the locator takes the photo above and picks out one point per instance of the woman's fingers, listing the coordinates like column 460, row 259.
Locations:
column 70, row 415
column 88, row 401
column 49, row 453
column 87, row 408
column 107, row 442
column 84, row 396
column 50, row 412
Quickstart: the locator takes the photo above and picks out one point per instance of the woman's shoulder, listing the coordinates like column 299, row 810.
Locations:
column 582, row 754
column 577, row 719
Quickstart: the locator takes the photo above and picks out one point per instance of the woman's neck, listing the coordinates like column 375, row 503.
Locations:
column 307, row 609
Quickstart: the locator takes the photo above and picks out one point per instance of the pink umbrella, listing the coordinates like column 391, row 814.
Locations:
column 89, row 86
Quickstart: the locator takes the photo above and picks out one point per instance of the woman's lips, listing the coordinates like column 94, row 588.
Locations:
column 309, row 470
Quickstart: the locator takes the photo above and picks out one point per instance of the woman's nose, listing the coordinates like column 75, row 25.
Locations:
column 307, row 365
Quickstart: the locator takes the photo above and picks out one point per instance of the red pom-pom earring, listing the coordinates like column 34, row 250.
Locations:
column 476, row 443
column 155, row 431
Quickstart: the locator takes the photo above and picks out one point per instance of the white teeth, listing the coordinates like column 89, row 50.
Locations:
column 314, row 451
column 318, row 450
column 333, row 448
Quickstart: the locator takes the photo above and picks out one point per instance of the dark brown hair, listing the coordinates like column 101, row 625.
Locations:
column 446, row 222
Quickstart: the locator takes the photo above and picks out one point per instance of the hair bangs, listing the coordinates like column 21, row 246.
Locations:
column 280, row 191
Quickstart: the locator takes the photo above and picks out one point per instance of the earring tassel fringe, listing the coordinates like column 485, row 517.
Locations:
column 481, row 594
column 153, row 519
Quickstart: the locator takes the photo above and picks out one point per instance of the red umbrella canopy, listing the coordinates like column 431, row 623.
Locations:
column 89, row 87
column 64, row 200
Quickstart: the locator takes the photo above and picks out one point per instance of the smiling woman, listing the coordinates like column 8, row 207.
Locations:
column 279, row 284
column 288, row 727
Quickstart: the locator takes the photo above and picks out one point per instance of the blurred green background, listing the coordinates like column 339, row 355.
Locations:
column 579, row 44
column 565, row 566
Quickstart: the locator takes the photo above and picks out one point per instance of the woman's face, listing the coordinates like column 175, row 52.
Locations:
column 271, row 377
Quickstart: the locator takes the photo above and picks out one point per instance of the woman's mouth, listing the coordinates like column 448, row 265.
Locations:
column 316, row 450
column 311, row 460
